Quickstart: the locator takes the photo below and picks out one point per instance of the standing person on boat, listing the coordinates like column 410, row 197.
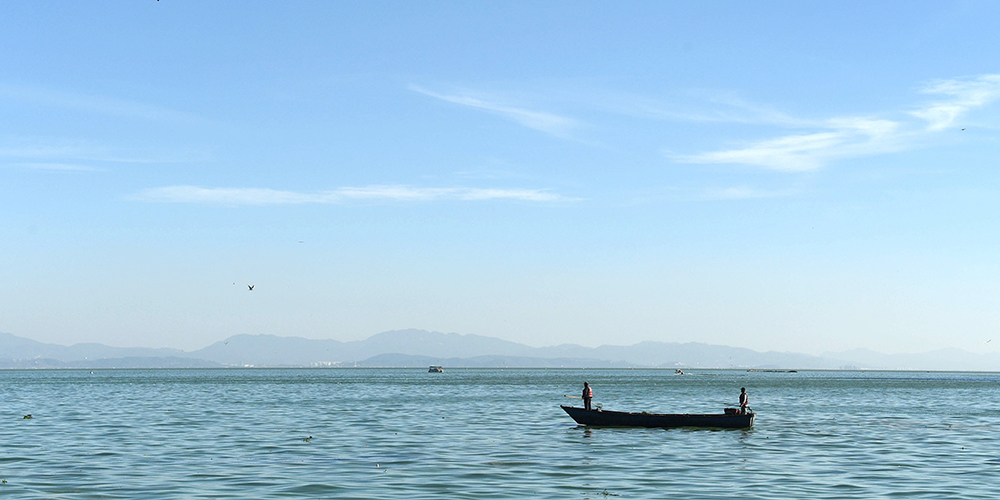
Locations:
column 588, row 394
column 744, row 400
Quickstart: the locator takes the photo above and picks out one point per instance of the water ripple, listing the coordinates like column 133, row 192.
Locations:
column 361, row 433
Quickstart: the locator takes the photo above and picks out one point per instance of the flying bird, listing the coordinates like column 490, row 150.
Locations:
column 988, row 341
column 250, row 287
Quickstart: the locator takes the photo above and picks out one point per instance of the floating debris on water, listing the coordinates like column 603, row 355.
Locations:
column 27, row 416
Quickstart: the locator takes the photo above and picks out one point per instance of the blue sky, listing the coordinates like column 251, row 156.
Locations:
column 788, row 176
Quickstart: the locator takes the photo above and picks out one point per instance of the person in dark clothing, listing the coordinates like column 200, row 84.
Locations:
column 588, row 394
column 744, row 400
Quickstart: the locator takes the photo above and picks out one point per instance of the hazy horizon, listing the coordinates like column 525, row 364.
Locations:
column 821, row 354
column 780, row 177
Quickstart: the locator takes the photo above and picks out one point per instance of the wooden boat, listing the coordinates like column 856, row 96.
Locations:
column 436, row 369
column 731, row 419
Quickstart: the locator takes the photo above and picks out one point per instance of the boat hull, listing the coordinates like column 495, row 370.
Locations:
column 605, row 418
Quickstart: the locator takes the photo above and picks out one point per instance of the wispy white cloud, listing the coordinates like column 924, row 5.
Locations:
column 222, row 196
column 56, row 151
column 801, row 144
column 61, row 167
column 852, row 137
column 513, row 194
column 390, row 193
column 550, row 123
column 962, row 96
column 91, row 103
column 70, row 154
column 844, row 138
column 735, row 109
column 744, row 193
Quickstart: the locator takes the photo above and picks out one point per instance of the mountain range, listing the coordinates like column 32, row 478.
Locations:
column 420, row 348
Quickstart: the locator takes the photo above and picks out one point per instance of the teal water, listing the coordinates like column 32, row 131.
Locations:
column 393, row 433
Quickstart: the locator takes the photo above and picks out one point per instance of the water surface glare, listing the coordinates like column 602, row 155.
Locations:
column 479, row 433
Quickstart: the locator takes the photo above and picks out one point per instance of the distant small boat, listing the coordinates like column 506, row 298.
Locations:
column 731, row 419
column 436, row 369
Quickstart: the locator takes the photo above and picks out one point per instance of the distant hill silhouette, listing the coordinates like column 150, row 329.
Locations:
column 405, row 348
column 407, row 361
column 19, row 352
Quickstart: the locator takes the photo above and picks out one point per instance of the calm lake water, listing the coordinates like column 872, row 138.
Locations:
column 394, row 433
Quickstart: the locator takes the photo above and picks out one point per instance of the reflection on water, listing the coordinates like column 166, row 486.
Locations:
column 360, row 433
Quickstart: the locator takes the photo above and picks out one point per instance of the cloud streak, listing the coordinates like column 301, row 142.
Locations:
column 56, row 167
column 808, row 144
column 549, row 123
column 42, row 151
column 744, row 193
column 376, row 193
column 853, row 137
column 92, row 104
column 844, row 138
column 962, row 97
